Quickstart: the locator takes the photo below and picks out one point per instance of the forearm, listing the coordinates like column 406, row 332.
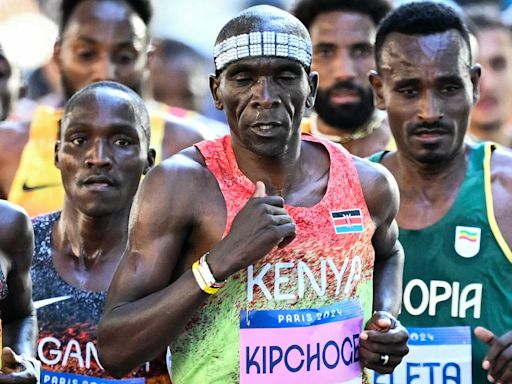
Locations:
column 21, row 334
column 150, row 323
column 387, row 282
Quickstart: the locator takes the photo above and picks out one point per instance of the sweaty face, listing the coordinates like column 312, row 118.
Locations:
column 264, row 100
column 104, row 40
column 102, row 154
column 495, row 57
column 428, row 88
column 343, row 56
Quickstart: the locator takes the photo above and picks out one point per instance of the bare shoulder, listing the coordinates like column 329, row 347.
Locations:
column 380, row 189
column 15, row 229
column 184, row 177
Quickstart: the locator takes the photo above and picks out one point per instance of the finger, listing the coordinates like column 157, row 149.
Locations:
column 272, row 209
column 393, row 336
column 373, row 361
column 286, row 233
column 281, row 219
column 260, row 190
column 8, row 356
column 500, row 357
column 484, row 335
column 400, row 349
column 271, row 201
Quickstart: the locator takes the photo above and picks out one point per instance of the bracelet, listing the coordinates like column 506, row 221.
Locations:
column 207, row 274
column 200, row 280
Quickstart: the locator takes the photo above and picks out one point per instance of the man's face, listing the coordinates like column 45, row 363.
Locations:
column 10, row 83
column 343, row 56
column 495, row 57
column 102, row 153
column 427, row 87
column 104, row 40
column 264, row 100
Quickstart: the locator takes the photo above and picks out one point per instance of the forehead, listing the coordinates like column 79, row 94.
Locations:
column 105, row 20
column 264, row 65
column 339, row 27
column 105, row 107
column 444, row 53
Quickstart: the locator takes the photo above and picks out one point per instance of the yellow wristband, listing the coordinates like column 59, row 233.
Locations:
column 201, row 281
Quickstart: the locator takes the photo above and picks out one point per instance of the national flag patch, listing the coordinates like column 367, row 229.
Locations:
column 349, row 221
column 467, row 240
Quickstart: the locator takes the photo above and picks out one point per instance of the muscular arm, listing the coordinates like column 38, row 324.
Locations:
column 154, row 293
column 18, row 314
column 384, row 336
column 13, row 137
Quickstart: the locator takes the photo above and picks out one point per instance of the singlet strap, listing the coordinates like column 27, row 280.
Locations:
column 489, row 148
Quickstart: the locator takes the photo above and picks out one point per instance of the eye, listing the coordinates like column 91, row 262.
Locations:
column 78, row 140
column 408, row 92
column 451, row 88
column 125, row 57
column 362, row 51
column 86, row 54
column 242, row 78
column 286, row 76
column 323, row 52
column 122, row 142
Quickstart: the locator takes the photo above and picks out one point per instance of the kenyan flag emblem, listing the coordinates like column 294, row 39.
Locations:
column 467, row 241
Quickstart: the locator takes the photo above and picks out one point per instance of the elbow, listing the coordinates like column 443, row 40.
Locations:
column 111, row 355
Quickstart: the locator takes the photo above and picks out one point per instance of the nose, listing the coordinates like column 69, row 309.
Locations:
column 344, row 67
column 430, row 108
column 104, row 69
column 264, row 95
column 99, row 155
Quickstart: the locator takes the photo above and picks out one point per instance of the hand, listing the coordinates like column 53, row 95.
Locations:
column 260, row 225
column 16, row 369
column 383, row 336
column 498, row 361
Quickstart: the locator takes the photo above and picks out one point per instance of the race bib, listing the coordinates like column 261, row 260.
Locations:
column 301, row 346
column 436, row 356
column 51, row 377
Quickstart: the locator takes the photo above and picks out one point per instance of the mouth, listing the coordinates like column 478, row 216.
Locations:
column 98, row 182
column 266, row 129
column 344, row 96
column 429, row 135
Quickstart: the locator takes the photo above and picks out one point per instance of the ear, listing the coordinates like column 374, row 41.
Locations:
column 313, row 87
column 216, row 94
column 150, row 160
column 376, row 82
column 56, row 53
column 56, row 154
column 475, row 72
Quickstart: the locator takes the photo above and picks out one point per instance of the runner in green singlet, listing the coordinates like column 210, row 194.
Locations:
column 455, row 215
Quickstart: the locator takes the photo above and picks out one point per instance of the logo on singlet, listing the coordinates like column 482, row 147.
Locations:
column 31, row 188
column 347, row 221
column 467, row 241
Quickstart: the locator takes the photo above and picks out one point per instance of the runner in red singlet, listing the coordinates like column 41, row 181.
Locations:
column 296, row 239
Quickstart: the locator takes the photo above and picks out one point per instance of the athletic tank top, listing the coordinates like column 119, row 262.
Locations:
column 458, row 270
column 320, row 267
column 67, row 320
column 37, row 185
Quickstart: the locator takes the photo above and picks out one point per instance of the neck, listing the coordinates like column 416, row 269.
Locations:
column 337, row 134
column 431, row 181
column 277, row 173
column 90, row 240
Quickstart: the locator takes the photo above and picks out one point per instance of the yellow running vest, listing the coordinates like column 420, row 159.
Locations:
column 37, row 185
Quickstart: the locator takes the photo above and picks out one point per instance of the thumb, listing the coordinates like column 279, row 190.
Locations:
column 8, row 356
column 484, row 335
column 260, row 190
